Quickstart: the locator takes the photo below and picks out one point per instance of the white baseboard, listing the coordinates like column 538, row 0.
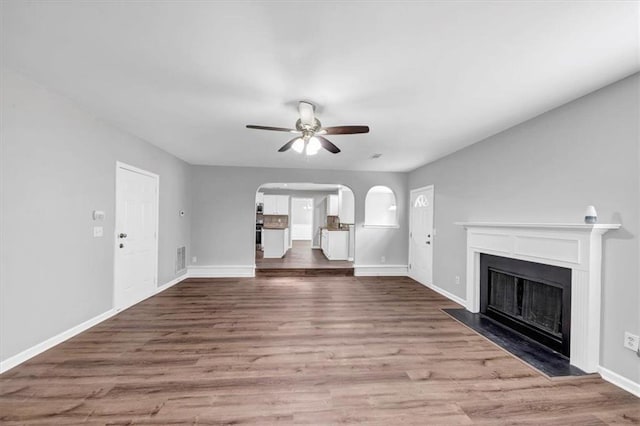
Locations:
column 222, row 271
column 172, row 282
column 27, row 354
column 459, row 300
column 37, row 349
column 619, row 381
column 380, row 270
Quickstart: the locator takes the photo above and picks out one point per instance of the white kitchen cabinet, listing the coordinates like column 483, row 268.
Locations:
column 276, row 204
column 335, row 244
column 275, row 242
column 332, row 205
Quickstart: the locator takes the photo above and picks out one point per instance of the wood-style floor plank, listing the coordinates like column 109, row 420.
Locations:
column 296, row 350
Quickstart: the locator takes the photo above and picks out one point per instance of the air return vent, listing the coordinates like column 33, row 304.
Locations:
column 181, row 257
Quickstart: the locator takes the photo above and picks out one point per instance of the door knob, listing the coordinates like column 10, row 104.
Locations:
column 428, row 242
column 122, row 235
column 121, row 245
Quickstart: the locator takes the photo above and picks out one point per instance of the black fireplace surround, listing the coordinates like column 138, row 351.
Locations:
column 531, row 298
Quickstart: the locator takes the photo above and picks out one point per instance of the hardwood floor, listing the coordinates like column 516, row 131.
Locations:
column 296, row 351
column 301, row 256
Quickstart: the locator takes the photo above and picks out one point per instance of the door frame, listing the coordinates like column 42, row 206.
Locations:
column 422, row 188
column 118, row 185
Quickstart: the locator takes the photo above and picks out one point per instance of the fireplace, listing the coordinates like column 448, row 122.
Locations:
column 531, row 298
column 574, row 246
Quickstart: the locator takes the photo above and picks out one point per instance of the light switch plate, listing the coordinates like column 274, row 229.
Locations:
column 97, row 231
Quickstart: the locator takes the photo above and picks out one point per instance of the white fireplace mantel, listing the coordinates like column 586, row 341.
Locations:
column 577, row 246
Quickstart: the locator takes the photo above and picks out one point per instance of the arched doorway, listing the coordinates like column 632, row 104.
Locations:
column 305, row 227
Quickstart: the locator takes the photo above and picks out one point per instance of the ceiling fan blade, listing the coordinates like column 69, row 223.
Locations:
column 344, row 130
column 288, row 145
column 306, row 110
column 277, row 129
column 328, row 145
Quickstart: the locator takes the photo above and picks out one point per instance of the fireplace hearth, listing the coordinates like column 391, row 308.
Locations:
column 531, row 298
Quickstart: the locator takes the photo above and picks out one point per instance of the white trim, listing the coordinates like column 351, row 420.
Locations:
column 578, row 226
column 619, row 381
column 422, row 188
column 37, row 349
column 120, row 164
column 364, row 225
column 459, row 300
column 380, row 270
column 125, row 166
column 172, row 282
column 222, row 271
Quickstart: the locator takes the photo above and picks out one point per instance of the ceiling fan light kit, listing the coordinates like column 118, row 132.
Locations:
column 309, row 147
column 311, row 129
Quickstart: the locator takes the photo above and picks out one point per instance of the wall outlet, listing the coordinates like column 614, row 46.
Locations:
column 194, row 259
column 457, row 279
column 383, row 259
column 631, row 341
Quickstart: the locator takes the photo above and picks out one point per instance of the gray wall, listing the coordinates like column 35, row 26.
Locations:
column 549, row 169
column 57, row 166
column 223, row 222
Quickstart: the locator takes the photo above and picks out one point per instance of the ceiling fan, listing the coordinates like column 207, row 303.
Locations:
column 311, row 132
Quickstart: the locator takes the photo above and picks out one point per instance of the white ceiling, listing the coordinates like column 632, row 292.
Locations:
column 428, row 78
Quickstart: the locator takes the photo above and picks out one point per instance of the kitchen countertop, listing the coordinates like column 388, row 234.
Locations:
column 275, row 228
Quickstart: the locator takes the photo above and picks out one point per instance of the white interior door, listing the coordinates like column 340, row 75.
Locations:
column 421, row 235
column 136, row 256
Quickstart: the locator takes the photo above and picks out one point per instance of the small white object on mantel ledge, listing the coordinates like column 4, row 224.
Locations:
column 577, row 246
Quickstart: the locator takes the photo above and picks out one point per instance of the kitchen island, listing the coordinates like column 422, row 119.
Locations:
column 275, row 242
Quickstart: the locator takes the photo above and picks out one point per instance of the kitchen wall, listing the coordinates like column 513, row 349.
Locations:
column 319, row 207
column 57, row 165
column 549, row 169
column 276, row 221
column 223, row 205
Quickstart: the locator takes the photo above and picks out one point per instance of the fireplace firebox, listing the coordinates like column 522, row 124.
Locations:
column 531, row 298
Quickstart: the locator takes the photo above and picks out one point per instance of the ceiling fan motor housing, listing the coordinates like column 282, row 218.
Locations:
column 308, row 128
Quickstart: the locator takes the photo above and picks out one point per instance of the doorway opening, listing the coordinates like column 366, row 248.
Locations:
column 302, row 219
column 306, row 227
